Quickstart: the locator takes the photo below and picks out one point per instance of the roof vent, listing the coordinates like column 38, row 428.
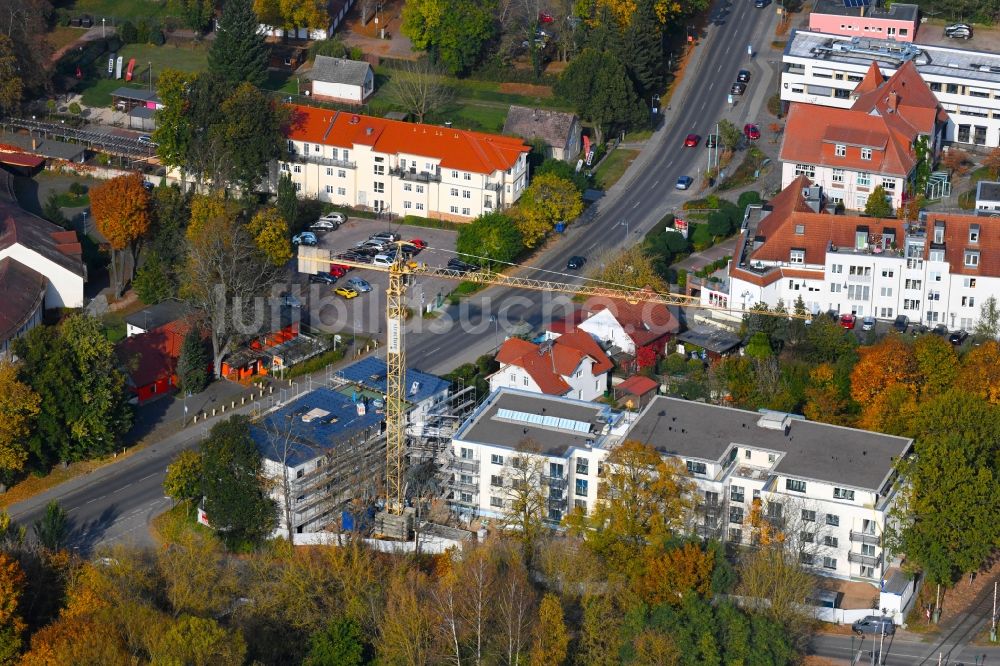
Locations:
column 414, row 388
column 313, row 414
column 774, row 421
column 369, row 130
column 355, row 120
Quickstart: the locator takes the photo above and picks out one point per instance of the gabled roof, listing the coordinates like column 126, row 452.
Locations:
column 551, row 361
column 643, row 322
column 153, row 355
column 904, row 100
column 22, row 291
column 873, row 79
column 638, row 385
column 454, row 148
column 339, row 70
column 553, row 127
column 18, row 226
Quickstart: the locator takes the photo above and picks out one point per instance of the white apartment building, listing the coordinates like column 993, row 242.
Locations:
column 828, row 488
column 572, row 365
column 938, row 269
column 401, row 168
column 987, row 198
column 824, row 69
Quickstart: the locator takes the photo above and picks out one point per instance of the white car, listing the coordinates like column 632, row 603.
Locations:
column 323, row 225
column 336, row 218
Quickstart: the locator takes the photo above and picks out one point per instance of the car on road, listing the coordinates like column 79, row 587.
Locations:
column 738, row 88
column 941, row 330
column 305, row 238
column 359, row 285
column 575, row 263
column 684, row 182
column 751, row 131
column 711, row 141
column 743, row 76
column 147, row 140
column 461, row 266
column 958, row 337
column 874, row 624
column 868, row 324
column 848, row 321
column 692, row 141
column 761, row 3
column 901, row 323
column 346, row 292
column 958, row 31
column 323, row 278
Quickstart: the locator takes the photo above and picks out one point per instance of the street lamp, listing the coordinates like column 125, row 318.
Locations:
column 496, row 331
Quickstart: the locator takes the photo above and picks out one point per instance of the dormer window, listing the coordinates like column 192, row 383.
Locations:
column 866, row 153
column 800, row 229
column 974, row 233
column 972, row 258
column 840, row 150
column 939, row 232
column 797, row 256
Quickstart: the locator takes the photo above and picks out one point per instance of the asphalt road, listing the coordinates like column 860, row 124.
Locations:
column 899, row 652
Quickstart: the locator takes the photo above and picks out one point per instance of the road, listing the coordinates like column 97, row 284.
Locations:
column 899, row 652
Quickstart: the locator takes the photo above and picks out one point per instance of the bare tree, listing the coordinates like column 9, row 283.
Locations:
column 515, row 602
column 419, row 88
column 524, row 499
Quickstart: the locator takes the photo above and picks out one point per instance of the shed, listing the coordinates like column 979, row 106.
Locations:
column 286, row 56
column 638, row 389
column 342, row 80
column 559, row 130
column 716, row 342
column 125, row 99
column 141, row 118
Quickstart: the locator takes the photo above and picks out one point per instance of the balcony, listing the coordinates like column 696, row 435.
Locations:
column 317, row 159
column 864, row 537
column 417, row 176
column 867, row 560
column 458, row 484
column 554, row 482
column 463, row 465
column 457, row 499
column 496, row 187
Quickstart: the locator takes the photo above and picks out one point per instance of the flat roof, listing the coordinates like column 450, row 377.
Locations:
column 896, row 11
column 371, row 372
column 61, row 150
column 815, row 451
column 714, row 340
column 157, row 315
column 537, row 417
column 988, row 190
column 137, row 94
column 945, row 61
column 315, row 423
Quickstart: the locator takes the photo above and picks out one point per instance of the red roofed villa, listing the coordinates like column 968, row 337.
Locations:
column 573, row 365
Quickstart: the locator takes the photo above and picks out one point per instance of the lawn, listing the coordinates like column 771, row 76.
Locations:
column 122, row 9
column 193, row 58
column 61, row 36
column 281, row 81
column 614, row 167
column 472, row 116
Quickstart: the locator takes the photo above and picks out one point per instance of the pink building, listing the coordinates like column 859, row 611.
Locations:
column 852, row 18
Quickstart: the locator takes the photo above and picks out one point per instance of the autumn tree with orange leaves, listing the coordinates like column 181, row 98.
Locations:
column 671, row 576
column 121, row 208
column 12, row 582
column 891, row 362
column 980, row 372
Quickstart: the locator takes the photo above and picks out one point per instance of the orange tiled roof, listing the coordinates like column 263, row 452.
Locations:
column 548, row 364
column 643, row 322
column 463, row 150
column 873, row 79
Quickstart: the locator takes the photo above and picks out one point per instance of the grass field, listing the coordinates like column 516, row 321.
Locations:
column 60, row 36
column 97, row 92
column 614, row 167
column 122, row 9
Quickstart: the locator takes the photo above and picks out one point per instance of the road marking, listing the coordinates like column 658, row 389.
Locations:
column 146, row 477
column 636, row 205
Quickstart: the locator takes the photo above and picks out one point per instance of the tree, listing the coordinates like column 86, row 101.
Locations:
column 642, row 51
column 552, row 639
column 174, row 127
column 287, row 201
column 980, row 372
column 236, row 501
column 523, row 499
column 549, row 199
column 827, row 342
column 192, row 366
column 250, row 134
column 937, row 364
column 338, row 644
column 453, row 32
column 182, row 482
column 988, row 324
column 12, row 583
column 514, row 599
column 270, row 232
column 239, row 53
column 669, row 576
column 773, row 572
column 951, row 497
column 600, row 631
column 730, row 135
column 955, row 160
column 888, row 363
column 420, row 88
column 52, row 211
column 598, row 86
column 121, row 212
column 632, row 267
column 825, row 401
column 992, row 162
column 19, row 405
column 11, row 85
column 406, row 629
column 490, row 237
column 52, row 529
column 877, row 204
column 197, row 576
column 197, row 13
column 201, row 642
column 152, row 282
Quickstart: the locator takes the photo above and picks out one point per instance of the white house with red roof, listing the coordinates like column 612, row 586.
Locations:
column 850, row 152
column 572, row 366
column 401, row 168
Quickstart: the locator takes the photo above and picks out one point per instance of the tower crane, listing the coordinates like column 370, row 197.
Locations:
column 313, row 259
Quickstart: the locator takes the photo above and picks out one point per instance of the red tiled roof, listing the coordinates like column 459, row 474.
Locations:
column 643, row 322
column 153, row 355
column 904, row 99
column 956, row 242
column 21, row 159
column 22, row 291
column 456, row 149
column 637, row 385
column 820, row 230
column 873, row 79
column 547, row 364
column 572, row 347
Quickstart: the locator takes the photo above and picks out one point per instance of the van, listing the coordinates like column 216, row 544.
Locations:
column 382, row 260
column 874, row 624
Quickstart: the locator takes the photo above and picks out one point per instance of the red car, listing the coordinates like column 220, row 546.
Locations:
column 692, row 141
column 848, row 321
column 339, row 270
column 544, row 17
column 417, row 243
column 751, row 131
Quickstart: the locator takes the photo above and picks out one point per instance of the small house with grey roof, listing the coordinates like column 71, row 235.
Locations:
column 342, row 80
column 559, row 130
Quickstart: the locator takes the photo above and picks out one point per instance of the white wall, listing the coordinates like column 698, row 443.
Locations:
column 606, row 328
column 65, row 288
column 847, row 189
column 343, row 91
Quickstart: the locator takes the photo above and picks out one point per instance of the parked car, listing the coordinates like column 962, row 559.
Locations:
column 848, row 321
column 323, row 225
column 378, row 247
column 874, row 624
column 359, row 285
column 461, row 266
column 575, row 263
column 941, row 330
column 384, row 237
column 335, row 217
column 684, row 182
column 958, row 337
column 901, row 323
column 738, row 88
column 346, row 292
column 339, row 270
column 417, row 243
column 291, row 301
column 751, row 131
column 351, row 255
column 711, row 141
column 323, row 278
column 305, row 238
column 382, row 260
column 743, row 76
column 147, row 140
column 958, row 31
column 868, row 324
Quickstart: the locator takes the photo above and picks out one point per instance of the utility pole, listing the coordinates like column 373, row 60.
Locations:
column 993, row 624
column 881, row 641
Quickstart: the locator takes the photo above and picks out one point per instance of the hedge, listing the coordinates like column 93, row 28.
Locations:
column 315, row 363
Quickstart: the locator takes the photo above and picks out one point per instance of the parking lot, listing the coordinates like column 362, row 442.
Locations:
column 325, row 310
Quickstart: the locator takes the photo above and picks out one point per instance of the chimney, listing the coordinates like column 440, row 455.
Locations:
column 34, row 143
column 893, row 101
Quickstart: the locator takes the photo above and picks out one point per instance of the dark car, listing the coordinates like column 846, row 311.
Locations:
column 941, row 330
column 461, row 267
column 761, row 3
column 901, row 323
column 575, row 263
column 711, row 141
column 323, row 278
column 743, row 76
column 957, row 337
column 738, row 88
column 874, row 624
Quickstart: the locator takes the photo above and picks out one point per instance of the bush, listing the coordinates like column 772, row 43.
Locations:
column 74, row 108
column 428, row 223
column 775, row 105
column 128, row 33
column 682, row 278
column 709, row 202
column 77, row 189
column 316, row 363
column 142, row 33
column 701, row 237
column 156, row 37
column 748, row 198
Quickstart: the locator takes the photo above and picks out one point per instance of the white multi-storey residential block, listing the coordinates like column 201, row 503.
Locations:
column 938, row 269
column 829, row 489
column 401, row 168
column 824, row 69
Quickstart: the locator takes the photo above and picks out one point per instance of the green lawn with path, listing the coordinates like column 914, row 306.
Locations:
column 613, row 167
column 187, row 58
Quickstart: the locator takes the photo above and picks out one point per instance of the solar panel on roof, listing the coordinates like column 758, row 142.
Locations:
column 555, row 422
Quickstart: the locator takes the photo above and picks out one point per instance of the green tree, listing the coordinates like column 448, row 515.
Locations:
column 552, row 639
column 19, row 406
column 491, row 237
column 759, row 346
column 127, row 33
column 182, row 482
column 250, row 133
column 337, row 644
column 598, row 86
column 239, row 53
column 631, row 267
column 642, row 51
column 988, row 324
column 562, row 169
column 877, row 204
column 549, row 199
column 11, row 83
column 270, row 232
column 201, row 642
column 729, row 134
column 287, row 201
column 52, row 211
column 173, row 121
column 197, row 13
column 236, row 501
column 52, row 529
column 152, row 282
column 193, row 364
column 453, row 32
column 827, row 342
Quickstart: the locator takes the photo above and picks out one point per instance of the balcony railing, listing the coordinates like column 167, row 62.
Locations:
column 317, row 159
column 418, row 176
column 463, row 465
column 496, row 187
column 457, row 499
column 458, row 484
column 864, row 537
column 868, row 560
column 555, row 482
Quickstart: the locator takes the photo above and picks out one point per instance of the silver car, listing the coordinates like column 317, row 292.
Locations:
column 359, row 285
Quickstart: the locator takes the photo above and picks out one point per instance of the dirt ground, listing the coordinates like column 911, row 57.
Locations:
column 368, row 37
column 528, row 89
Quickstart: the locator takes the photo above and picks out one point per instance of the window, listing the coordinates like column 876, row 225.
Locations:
column 496, row 480
column 297, row 169
column 329, row 171
column 696, row 467
column 284, row 167
column 466, row 194
column 832, row 520
column 420, row 206
column 836, row 268
column 935, row 86
column 379, row 187
column 342, row 191
column 886, row 313
column 341, row 173
column 800, row 229
column 969, row 283
column 795, row 485
column 866, row 153
column 748, row 454
column 844, row 494
column 487, row 202
column 841, row 93
column 555, row 515
column 407, row 204
column 379, row 169
column 407, row 187
column 582, row 466
column 466, row 479
column 936, row 255
column 298, row 187
column 581, row 487
column 454, row 174
column 968, row 301
column 807, row 170
column 467, row 176
column 420, row 189
column 453, row 209
column 887, row 274
column 496, row 458
column 972, row 258
column 867, row 572
column 840, row 150
column 797, row 257
column 807, row 537
column 885, row 291
column 525, row 380
column 952, row 88
column 580, row 504
column 974, row 233
column 911, row 304
column 806, row 558
column 838, row 176
column 864, row 179
column 912, row 284
column 829, row 563
column 454, row 191
column 736, row 515
column 466, row 211
column 735, row 535
column 329, row 189
column 830, row 541
column 808, row 516
column 868, row 549
column 496, row 502
column 736, row 494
